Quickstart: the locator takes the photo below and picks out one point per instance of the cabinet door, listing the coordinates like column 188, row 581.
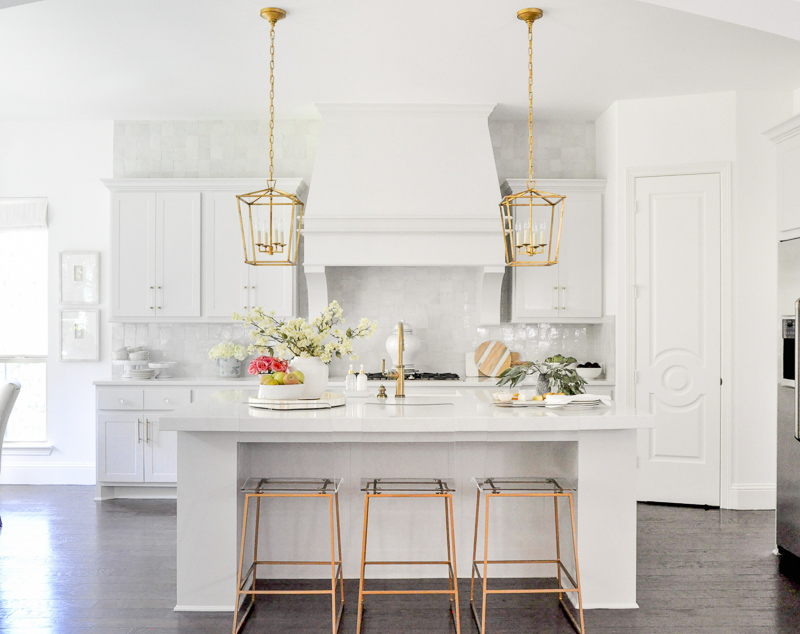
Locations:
column 536, row 291
column 161, row 452
column 178, row 254
column 579, row 268
column 272, row 288
column 226, row 280
column 120, row 447
column 133, row 254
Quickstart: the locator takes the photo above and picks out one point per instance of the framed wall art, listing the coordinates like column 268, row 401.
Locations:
column 80, row 277
column 80, row 335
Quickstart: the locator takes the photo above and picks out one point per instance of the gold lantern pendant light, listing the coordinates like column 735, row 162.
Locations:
column 532, row 219
column 271, row 219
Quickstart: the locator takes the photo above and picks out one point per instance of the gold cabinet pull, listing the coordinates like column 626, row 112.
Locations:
column 138, row 431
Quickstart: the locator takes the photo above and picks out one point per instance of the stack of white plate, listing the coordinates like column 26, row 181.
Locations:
column 141, row 373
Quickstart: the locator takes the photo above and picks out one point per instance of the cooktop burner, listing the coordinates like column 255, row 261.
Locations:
column 418, row 376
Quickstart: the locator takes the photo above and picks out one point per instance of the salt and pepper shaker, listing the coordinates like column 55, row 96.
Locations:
column 361, row 380
column 350, row 380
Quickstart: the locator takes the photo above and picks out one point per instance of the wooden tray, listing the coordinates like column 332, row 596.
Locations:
column 326, row 401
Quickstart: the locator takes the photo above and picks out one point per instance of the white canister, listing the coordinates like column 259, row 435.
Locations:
column 412, row 347
column 228, row 367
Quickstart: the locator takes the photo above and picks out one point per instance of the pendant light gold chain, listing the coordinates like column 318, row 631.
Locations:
column 271, row 98
column 530, row 104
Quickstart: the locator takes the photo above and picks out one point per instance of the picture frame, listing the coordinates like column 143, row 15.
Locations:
column 80, row 277
column 80, row 335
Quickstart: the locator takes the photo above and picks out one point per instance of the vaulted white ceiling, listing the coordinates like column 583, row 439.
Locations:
column 179, row 59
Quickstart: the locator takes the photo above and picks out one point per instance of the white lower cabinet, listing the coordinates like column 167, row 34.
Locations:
column 131, row 448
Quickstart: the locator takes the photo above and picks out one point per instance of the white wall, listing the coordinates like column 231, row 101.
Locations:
column 64, row 162
column 697, row 129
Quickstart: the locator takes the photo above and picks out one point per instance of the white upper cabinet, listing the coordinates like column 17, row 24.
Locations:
column 177, row 252
column 229, row 284
column 155, row 254
column 133, row 272
column 572, row 290
column 786, row 137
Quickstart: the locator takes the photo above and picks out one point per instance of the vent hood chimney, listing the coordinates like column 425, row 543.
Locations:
column 405, row 185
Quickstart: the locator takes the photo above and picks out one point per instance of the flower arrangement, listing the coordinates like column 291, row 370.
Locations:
column 275, row 371
column 555, row 370
column 321, row 338
column 228, row 350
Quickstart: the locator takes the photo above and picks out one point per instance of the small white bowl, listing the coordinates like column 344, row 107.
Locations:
column 502, row 397
column 141, row 355
column 280, row 392
column 589, row 373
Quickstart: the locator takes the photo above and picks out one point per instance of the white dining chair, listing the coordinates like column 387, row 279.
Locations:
column 8, row 396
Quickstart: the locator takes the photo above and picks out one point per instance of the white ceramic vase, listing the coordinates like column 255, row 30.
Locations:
column 316, row 375
column 228, row 367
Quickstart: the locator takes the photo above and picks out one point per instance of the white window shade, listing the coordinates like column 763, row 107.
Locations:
column 23, row 292
column 23, row 213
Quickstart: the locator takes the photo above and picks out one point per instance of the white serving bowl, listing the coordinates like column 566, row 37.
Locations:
column 280, row 392
column 589, row 373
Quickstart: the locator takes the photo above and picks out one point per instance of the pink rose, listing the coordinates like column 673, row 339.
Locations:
column 262, row 363
column 253, row 369
column 279, row 365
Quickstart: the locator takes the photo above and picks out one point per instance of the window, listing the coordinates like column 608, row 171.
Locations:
column 23, row 317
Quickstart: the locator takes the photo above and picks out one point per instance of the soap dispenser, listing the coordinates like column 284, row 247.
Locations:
column 350, row 380
column 361, row 380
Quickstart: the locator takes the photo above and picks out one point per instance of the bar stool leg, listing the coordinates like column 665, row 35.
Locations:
column 236, row 624
column 333, row 566
column 449, row 560
column 558, row 546
column 339, row 540
column 363, row 563
column 577, row 567
column 451, row 540
column 485, row 566
column 255, row 544
column 474, row 552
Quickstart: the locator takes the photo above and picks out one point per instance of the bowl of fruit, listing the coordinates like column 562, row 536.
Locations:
column 589, row 370
column 276, row 381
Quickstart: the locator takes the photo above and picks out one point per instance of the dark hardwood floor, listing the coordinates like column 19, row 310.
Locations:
column 68, row 564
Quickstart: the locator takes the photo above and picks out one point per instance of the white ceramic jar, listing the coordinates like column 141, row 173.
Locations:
column 412, row 347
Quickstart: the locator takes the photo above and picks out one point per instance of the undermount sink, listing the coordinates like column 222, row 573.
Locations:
column 428, row 399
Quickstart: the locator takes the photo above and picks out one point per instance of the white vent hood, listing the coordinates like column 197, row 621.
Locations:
column 405, row 185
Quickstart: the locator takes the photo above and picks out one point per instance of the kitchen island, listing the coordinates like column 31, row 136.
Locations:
column 222, row 441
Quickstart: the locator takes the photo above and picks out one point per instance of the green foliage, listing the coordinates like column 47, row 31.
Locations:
column 560, row 377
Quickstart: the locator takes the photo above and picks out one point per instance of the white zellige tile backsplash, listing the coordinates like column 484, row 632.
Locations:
column 439, row 302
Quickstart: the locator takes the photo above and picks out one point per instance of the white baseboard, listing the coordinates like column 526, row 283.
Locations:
column 48, row 473
column 203, row 608
column 610, row 606
column 752, row 497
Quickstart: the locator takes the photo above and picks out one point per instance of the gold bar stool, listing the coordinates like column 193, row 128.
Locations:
column 555, row 488
column 320, row 488
column 412, row 488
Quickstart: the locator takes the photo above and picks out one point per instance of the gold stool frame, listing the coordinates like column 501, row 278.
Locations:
column 480, row 621
column 336, row 564
column 445, row 492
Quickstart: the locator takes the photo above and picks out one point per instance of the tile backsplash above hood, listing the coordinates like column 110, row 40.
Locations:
column 405, row 185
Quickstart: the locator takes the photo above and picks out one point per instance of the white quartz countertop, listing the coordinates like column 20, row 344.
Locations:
column 467, row 410
column 338, row 382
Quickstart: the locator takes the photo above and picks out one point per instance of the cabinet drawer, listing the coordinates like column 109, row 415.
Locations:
column 119, row 398
column 167, row 398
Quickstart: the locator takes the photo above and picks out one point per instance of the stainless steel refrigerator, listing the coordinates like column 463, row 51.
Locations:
column 788, row 499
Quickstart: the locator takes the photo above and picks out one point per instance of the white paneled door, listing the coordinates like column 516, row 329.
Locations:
column 678, row 325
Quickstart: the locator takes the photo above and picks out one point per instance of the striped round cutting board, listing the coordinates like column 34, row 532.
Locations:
column 492, row 357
